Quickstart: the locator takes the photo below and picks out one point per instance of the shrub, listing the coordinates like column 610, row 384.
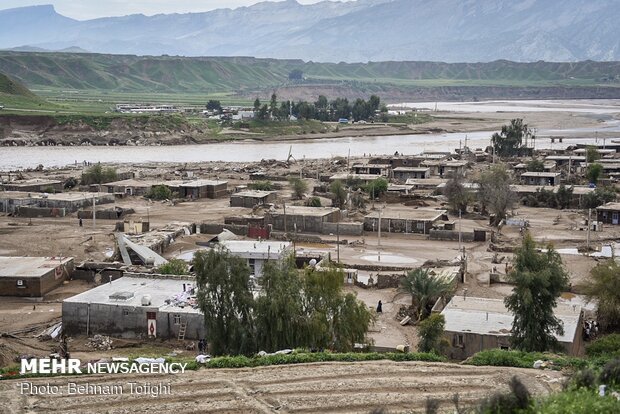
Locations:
column 608, row 345
column 521, row 359
column 98, row 175
column 581, row 401
column 261, row 185
column 585, row 378
column 314, row 202
column 611, row 373
column 159, row 192
column 174, row 267
column 517, row 400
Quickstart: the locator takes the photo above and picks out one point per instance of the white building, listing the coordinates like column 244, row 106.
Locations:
column 258, row 252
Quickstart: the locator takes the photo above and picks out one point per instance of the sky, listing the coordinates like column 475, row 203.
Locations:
column 89, row 9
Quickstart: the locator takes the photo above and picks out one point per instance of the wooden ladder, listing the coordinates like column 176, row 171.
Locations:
column 182, row 330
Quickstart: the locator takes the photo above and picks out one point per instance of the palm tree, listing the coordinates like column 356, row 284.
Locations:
column 423, row 288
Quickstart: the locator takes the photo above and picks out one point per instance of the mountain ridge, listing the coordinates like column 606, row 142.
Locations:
column 355, row 31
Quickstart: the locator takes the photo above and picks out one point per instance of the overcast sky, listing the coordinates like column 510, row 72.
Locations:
column 89, row 9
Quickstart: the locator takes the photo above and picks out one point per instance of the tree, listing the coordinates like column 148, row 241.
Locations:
column 333, row 319
column 538, row 279
column 494, row 192
column 535, row 166
column 98, row 175
column 314, row 202
column 592, row 154
column 594, row 172
column 226, row 301
column 263, row 112
column 214, row 105
column 298, row 186
column 509, row 142
column 564, row 196
column 159, row 192
column 376, row 187
column 174, row 267
column 339, row 193
column 458, row 196
column 424, row 289
column 279, row 308
column 598, row 197
column 431, row 333
column 273, row 105
column 603, row 285
column 256, row 105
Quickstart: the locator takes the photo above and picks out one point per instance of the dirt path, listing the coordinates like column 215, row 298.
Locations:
column 304, row 388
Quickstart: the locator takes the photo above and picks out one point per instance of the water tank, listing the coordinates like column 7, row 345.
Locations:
column 312, row 262
column 146, row 300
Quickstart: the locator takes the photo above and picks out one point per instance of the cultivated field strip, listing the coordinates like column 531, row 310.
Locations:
column 303, row 388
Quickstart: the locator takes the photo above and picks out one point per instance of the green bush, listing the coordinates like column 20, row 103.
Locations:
column 261, row 185
column 608, row 345
column 306, row 357
column 159, row 192
column 314, row 202
column 521, row 359
column 581, row 401
column 98, row 175
column 174, row 267
column 611, row 373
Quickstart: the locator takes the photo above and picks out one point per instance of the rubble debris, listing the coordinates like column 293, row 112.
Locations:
column 100, row 342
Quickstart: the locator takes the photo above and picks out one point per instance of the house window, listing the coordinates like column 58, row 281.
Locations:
column 125, row 312
column 252, row 264
column 458, row 341
column 21, row 284
column 177, row 319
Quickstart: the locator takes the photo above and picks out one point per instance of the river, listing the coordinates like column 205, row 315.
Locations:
column 12, row 158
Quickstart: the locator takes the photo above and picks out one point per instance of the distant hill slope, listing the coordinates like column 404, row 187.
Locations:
column 126, row 73
column 13, row 93
column 351, row 31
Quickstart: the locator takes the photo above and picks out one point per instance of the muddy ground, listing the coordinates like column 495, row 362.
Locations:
column 305, row 388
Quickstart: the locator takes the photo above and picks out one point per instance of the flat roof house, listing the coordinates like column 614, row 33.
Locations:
column 138, row 187
column 33, row 276
column 608, row 213
column 203, row 189
column 419, row 220
column 372, row 169
column 402, row 174
column 258, row 252
column 35, row 185
column 137, row 306
column 475, row 324
column 302, row 219
column 540, row 178
column 251, row 198
column 13, row 201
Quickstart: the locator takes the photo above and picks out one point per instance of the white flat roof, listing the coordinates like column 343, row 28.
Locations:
column 202, row 183
column 253, row 193
column 158, row 288
column 305, row 211
column 30, row 266
column 540, row 174
column 486, row 316
column 257, row 249
column 426, row 214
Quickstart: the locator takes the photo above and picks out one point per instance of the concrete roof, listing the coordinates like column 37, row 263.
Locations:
column 305, row 211
column 490, row 317
column 253, row 249
column 131, row 182
column 565, row 157
column 409, row 214
column 158, row 288
column 30, row 266
column 540, row 174
column 56, row 196
column 411, row 169
column 346, row 176
column 610, row 206
column 253, row 193
column 32, row 181
column 202, row 183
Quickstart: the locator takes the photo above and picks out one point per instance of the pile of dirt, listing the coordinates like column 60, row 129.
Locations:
column 100, row 343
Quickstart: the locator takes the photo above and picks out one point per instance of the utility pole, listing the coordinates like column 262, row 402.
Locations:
column 588, row 232
column 94, row 213
column 338, row 242
column 379, row 230
column 460, row 240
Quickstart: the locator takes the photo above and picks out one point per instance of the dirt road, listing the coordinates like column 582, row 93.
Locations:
column 304, row 388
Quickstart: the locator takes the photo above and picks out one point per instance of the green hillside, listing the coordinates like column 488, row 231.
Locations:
column 166, row 74
column 13, row 93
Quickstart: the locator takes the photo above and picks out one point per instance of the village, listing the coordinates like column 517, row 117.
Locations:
column 85, row 259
